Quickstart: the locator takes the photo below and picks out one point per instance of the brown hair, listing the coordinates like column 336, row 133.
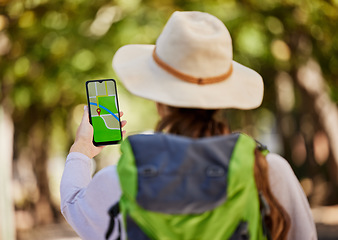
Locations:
column 190, row 122
column 198, row 123
column 278, row 221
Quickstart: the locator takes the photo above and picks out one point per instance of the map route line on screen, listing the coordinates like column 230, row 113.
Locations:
column 107, row 124
column 100, row 106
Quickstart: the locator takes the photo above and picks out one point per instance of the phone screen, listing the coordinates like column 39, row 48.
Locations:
column 104, row 111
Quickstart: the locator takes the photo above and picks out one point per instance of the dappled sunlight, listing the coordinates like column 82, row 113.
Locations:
column 251, row 41
column 83, row 60
column 307, row 185
column 280, row 50
column 299, row 150
column 105, row 17
column 326, row 215
column 285, row 92
column 274, row 25
column 321, row 147
column 5, row 43
column 55, row 20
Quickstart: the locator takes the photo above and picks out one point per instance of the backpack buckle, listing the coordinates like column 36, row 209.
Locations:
column 215, row 171
column 148, row 171
column 261, row 147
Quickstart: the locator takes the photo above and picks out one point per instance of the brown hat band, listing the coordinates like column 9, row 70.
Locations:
column 189, row 78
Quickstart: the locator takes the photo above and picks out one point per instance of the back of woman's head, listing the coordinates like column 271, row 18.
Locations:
column 193, row 123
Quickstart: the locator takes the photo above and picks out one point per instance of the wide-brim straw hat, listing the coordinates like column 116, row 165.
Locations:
column 190, row 66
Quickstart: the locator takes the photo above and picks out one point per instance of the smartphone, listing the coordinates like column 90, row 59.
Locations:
column 104, row 111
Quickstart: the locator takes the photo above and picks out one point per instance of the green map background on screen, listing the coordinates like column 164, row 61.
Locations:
column 104, row 111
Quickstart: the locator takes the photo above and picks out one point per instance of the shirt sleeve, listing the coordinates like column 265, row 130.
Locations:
column 85, row 201
column 287, row 190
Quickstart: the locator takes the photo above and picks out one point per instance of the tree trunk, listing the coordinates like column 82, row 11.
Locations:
column 7, row 222
column 39, row 140
column 311, row 79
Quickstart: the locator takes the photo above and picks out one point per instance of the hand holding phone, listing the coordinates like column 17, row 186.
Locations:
column 104, row 111
column 84, row 138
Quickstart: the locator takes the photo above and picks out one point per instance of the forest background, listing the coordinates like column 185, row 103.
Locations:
column 48, row 49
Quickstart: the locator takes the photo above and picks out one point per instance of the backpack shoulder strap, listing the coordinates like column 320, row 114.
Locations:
column 113, row 213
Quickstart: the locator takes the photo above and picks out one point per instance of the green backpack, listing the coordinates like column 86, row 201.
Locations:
column 175, row 187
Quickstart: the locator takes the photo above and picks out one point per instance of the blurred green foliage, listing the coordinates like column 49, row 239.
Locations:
column 50, row 48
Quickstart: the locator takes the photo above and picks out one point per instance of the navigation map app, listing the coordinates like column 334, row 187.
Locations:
column 104, row 111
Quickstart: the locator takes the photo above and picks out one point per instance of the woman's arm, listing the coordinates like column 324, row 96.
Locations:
column 86, row 201
column 286, row 188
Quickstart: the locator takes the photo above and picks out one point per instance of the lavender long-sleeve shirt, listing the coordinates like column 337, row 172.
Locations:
column 85, row 200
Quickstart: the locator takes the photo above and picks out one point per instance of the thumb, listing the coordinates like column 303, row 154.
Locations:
column 85, row 129
column 85, row 114
column 85, row 123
